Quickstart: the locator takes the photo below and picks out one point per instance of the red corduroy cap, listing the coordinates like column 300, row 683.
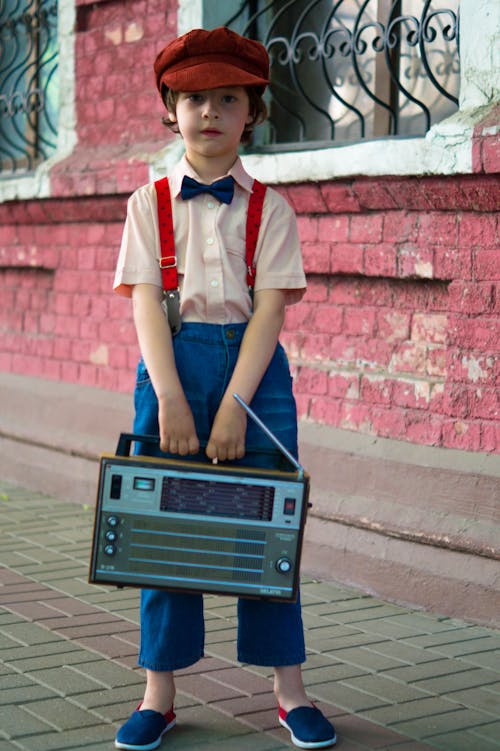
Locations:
column 204, row 59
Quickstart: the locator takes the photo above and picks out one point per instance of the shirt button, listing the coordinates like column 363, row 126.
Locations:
column 214, row 283
column 210, row 205
column 210, row 241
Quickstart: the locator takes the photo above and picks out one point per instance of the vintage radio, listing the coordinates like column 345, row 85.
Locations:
column 200, row 527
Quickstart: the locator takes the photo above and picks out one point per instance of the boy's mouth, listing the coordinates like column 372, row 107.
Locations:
column 211, row 132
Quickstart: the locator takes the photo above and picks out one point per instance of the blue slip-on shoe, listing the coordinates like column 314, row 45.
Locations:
column 144, row 729
column 308, row 727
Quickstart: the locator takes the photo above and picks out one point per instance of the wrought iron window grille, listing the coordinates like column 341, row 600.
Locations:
column 346, row 70
column 28, row 83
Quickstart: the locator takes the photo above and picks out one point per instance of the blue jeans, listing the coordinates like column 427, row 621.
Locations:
column 172, row 623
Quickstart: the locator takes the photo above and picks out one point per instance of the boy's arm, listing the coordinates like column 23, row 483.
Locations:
column 227, row 438
column 177, row 429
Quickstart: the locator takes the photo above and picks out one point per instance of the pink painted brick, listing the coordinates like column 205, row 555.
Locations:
column 436, row 363
column 346, row 259
column 429, row 327
column 317, row 291
column 308, row 228
column 388, row 422
column 343, row 385
column 471, row 297
column 409, row 357
column 316, row 257
column 355, row 416
column 358, row 322
column 366, row 228
column 340, row 198
column 490, row 437
column 476, row 229
column 376, row 389
column 393, row 326
column 416, row 261
column 325, row 410
column 487, row 264
column 452, row 262
column 326, row 318
column 333, row 228
column 312, row 381
column 437, row 229
column 484, row 403
column 413, row 394
column 315, row 346
column 423, row 428
column 380, row 260
column 307, row 199
column 462, row 434
column 374, row 194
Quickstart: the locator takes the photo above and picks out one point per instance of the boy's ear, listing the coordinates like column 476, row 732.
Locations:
column 171, row 116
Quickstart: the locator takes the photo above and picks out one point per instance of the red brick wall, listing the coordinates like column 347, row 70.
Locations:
column 398, row 334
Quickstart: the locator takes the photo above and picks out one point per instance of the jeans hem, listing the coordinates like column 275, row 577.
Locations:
column 164, row 667
column 272, row 661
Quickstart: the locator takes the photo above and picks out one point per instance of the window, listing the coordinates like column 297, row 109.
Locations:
column 348, row 70
column 29, row 89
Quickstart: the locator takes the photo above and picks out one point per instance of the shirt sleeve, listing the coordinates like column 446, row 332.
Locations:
column 278, row 255
column 139, row 251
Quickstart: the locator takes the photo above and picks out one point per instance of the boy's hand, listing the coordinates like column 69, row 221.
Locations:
column 227, row 437
column 177, row 429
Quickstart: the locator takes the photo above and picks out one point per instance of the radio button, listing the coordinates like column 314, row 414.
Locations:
column 109, row 549
column 289, row 507
column 113, row 521
column 283, row 565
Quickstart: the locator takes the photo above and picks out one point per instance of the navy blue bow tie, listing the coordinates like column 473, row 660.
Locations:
column 223, row 189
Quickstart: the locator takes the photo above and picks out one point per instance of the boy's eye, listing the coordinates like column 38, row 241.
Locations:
column 227, row 98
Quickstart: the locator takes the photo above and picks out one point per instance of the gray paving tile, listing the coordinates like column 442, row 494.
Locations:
column 61, row 714
column 438, row 724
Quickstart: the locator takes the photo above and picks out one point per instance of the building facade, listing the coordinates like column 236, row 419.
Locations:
column 397, row 338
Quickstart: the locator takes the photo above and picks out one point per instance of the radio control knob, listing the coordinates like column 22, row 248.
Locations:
column 111, row 535
column 113, row 521
column 109, row 549
column 283, row 565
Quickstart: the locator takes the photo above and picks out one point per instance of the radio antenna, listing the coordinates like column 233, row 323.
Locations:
column 270, row 435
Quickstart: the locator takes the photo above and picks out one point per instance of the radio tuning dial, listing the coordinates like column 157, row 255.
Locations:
column 283, row 565
column 113, row 521
column 111, row 535
column 109, row 549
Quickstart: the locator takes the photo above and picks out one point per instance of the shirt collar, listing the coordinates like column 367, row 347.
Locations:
column 183, row 167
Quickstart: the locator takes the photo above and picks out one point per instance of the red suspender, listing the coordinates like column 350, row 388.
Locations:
column 254, row 215
column 168, row 261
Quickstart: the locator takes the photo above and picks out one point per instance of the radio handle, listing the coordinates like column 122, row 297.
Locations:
column 126, row 439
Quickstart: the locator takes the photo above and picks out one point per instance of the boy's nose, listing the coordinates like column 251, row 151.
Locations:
column 210, row 110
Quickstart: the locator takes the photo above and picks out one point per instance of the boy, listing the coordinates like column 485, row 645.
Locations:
column 211, row 83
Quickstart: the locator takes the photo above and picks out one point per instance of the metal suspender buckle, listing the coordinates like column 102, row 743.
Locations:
column 168, row 262
column 171, row 305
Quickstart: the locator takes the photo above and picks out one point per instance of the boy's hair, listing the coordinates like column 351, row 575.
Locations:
column 257, row 107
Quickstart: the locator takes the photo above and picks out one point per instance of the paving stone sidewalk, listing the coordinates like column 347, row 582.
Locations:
column 390, row 678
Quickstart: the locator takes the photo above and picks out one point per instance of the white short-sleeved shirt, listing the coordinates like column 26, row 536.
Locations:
column 210, row 248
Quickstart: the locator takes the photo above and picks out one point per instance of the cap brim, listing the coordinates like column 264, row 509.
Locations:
column 209, row 76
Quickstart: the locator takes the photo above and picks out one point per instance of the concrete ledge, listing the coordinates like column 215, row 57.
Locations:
column 414, row 524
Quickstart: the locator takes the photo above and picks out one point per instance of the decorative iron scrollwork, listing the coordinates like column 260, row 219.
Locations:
column 349, row 69
column 28, row 82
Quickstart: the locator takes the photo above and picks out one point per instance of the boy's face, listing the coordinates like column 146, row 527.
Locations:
column 211, row 121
